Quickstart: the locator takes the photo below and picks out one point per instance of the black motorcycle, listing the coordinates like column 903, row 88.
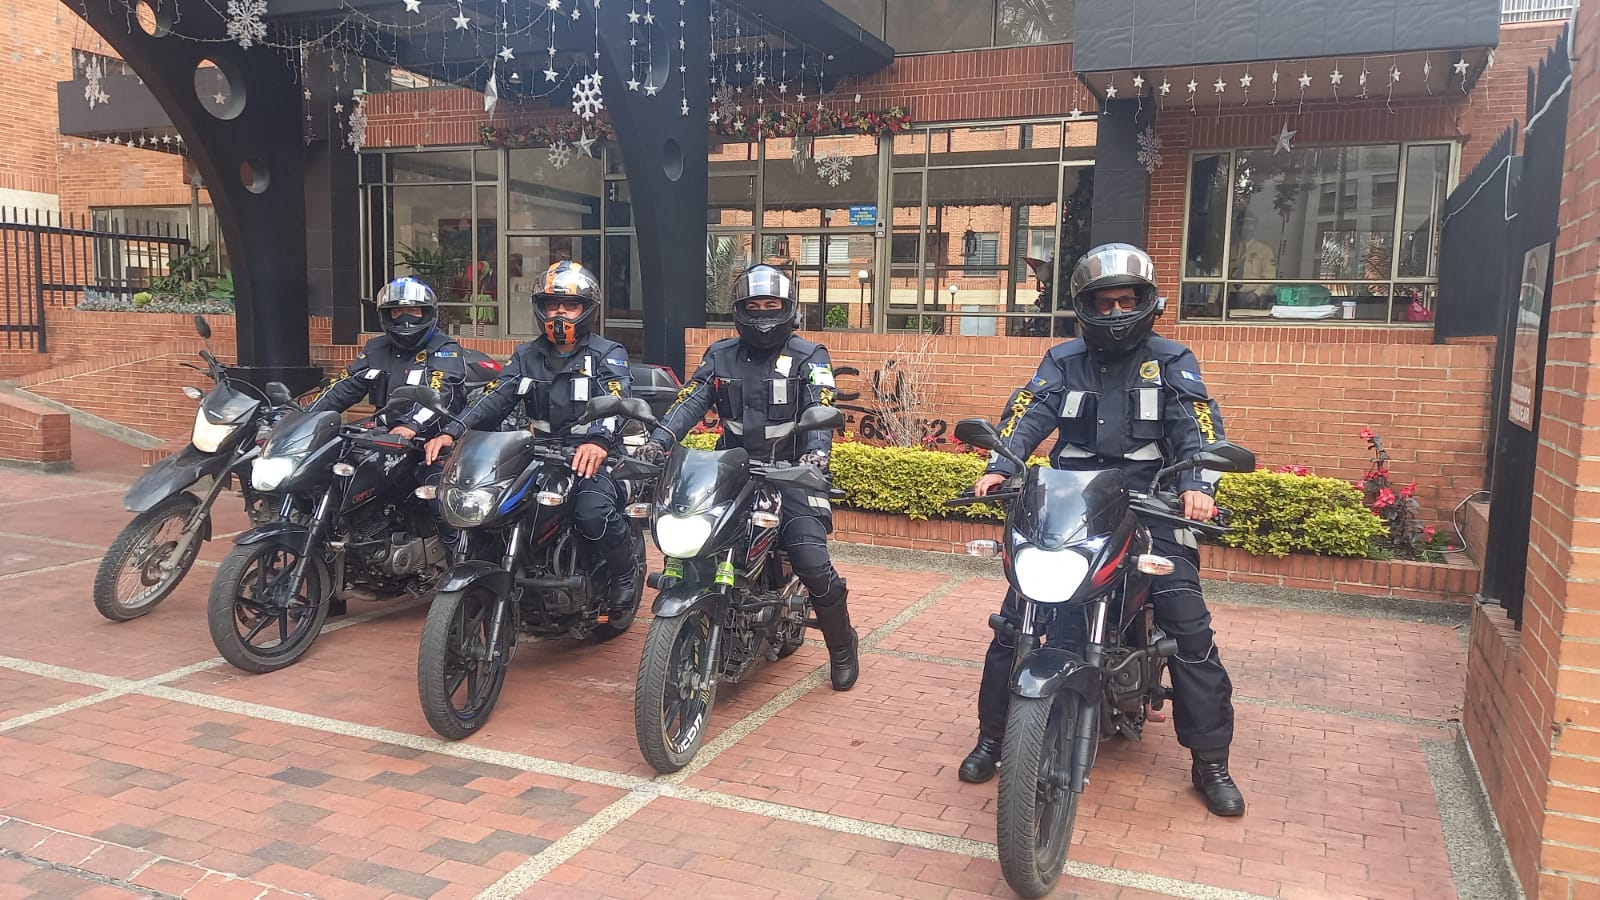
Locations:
column 524, row 569
column 727, row 598
column 154, row 552
column 347, row 522
column 1089, row 658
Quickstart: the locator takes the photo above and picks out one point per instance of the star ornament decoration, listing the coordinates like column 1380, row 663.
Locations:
column 1305, row 80
column 461, row 20
column 1220, row 85
column 1281, row 141
column 1165, row 87
column 1193, row 85
column 1337, row 78
column 1111, row 92
column 506, row 54
column 413, row 6
column 1461, row 67
column 1246, row 80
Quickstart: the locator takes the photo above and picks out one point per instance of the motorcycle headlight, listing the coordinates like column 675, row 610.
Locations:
column 206, row 436
column 266, row 474
column 1049, row 576
column 466, row 508
column 683, row 537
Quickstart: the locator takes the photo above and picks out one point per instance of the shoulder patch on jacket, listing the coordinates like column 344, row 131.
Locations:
column 446, row 354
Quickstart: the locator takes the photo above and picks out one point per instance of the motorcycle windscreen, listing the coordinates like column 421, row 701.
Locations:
column 1058, row 508
column 226, row 406
column 298, row 432
column 697, row 480
column 485, row 457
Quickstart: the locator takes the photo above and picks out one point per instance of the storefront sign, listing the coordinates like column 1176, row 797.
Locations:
column 1525, row 349
column 864, row 215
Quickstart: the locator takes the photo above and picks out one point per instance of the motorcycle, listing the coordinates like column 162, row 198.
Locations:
column 727, row 598
column 346, row 521
column 155, row 551
column 1089, row 657
column 523, row 570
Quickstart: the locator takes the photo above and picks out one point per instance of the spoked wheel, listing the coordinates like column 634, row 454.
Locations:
column 671, row 700
column 622, row 621
column 1037, row 805
column 256, row 623
column 142, row 567
column 461, row 663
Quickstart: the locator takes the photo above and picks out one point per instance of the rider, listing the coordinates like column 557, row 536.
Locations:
column 554, row 376
column 768, row 376
column 1124, row 398
column 411, row 351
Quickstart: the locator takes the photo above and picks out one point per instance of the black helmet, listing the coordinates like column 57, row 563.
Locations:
column 765, row 329
column 1113, row 266
column 566, row 280
column 416, row 326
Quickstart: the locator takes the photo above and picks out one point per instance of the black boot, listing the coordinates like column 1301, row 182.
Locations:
column 833, row 620
column 622, row 591
column 1211, row 778
column 980, row 764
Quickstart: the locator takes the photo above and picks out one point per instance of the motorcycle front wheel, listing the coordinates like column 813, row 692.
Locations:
column 461, row 664
column 671, row 701
column 140, row 569
column 256, row 624
column 1037, row 807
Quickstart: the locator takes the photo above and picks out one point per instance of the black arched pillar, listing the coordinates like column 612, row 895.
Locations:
column 664, row 154
column 263, row 221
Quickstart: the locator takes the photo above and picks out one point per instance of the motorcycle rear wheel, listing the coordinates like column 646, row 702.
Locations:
column 671, row 710
column 137, row 572
column 455, row 654
column 246, row 602
column 1036, row 815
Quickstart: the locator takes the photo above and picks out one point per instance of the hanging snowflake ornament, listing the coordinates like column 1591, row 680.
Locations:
column 358, row 124
column 834, row 167
column 559, row 154
column 1149, row 154
column 246, row 25
column 93, row 90
column 586, row 97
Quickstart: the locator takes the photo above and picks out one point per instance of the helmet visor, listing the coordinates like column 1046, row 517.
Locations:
column 406, row 292
column 764, row 282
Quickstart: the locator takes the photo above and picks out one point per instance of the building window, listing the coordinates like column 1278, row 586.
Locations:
column 931, row 26
column 1316, row 233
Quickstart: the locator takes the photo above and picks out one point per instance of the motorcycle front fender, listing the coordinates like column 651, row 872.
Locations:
column 472, row 572
column 1049, row 670
column 677, row 600
column 173, row 474
column 287, row 531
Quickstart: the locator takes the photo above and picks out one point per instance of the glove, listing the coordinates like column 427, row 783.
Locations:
column 815, row 458
column 652, row 452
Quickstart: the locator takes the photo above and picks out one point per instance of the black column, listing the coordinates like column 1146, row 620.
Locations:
column 261, row 212
column 1121, row 184
column 664, row 154
column 332, row 192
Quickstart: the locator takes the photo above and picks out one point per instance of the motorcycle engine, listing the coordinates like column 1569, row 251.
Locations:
column 409, row 554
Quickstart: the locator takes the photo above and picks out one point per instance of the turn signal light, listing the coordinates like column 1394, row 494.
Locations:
column 550, row 498
column 344, row 469
column 1150, row 564
column 764, row 519
column 426, row 492
column 637, row 510
column 193, row 393
column 983, row 549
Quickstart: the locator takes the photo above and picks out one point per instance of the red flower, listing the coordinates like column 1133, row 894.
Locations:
column 1385, row 499
column 1408, row 490
column 1366, row 434
column 1429, row 532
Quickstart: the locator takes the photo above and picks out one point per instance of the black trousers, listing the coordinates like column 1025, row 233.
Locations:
column 803, row 533
column 1202, row 702
column 597, row 514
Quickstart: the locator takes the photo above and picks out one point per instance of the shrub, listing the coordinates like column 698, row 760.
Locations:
column 1280, row 513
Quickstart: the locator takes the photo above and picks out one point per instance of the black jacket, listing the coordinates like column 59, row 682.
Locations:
column 1136, row 412
column 755, row 389
column 381, row 367
column 554, row 390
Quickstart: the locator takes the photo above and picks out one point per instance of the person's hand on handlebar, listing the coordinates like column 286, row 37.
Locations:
column 402, row 432
column 1198, row 506
column 987, row 483
column 586, row 461
column 432, row 449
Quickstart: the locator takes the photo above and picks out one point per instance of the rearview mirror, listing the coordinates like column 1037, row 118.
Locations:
column 978, row 433
column 278, row 394
column 202, row 327
column 420, row 394
column 820, row 418
column 1225, row 456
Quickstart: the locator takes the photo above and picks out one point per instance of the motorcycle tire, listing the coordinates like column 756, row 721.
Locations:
column 138, row 544
column 665, row 694
column 1035, row 819
column 621, row 622
column 454, row 653
column 228, row 609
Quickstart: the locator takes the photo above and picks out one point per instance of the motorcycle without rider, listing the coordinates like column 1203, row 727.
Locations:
column 523, row 570
column 1089, row 657
column 728, row 599
column 154, row 552
column 347, row 522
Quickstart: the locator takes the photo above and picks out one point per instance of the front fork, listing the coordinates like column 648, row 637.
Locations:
column 513, row 543
column 1072, row 772
column 319, row 521
column 724, row 581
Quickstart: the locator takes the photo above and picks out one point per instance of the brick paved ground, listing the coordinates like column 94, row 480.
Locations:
column 133, row 763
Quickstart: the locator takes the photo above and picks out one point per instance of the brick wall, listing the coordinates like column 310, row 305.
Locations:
column 1533, row 699
column 32, row 433
column 1293, row 395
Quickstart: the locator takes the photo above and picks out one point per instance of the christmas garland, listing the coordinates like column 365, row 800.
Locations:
column 894, row 120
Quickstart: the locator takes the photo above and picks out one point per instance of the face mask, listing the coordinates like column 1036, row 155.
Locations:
column 409, row 320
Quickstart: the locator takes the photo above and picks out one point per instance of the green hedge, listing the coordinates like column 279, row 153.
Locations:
column 1273, row 514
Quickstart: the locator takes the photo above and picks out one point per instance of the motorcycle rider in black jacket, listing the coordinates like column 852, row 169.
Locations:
column 764, row 378
column 1124, row 398
column 554, row 376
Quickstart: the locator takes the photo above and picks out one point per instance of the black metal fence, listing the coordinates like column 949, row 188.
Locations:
column 47, row 260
